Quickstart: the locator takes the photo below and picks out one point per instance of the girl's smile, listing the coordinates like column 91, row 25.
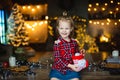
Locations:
column 64, row 29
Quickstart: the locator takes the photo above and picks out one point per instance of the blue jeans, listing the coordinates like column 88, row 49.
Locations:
column 69, row 75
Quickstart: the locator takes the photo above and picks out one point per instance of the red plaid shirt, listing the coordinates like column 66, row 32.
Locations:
column 63, row 52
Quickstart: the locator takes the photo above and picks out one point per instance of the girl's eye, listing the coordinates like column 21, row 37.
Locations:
column 67, row 28
column 61, row 28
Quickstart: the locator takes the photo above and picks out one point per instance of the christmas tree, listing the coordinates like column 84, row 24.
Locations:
column 84, row 40
column 16, row 33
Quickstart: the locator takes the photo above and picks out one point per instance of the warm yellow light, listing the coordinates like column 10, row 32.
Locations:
column 27, row 25
column 94, row 23
column 33, row 10
column 29, row 7
column 90, row 5
column 103, row 9
column 55, row 18
column 111, row 1
column 98, row 22
column 46, row 17
column 102, row 23
column 108, row 23
column 117, row 9
column 84, row 20
column 46, row 22
column 104, row 39
column 97, row 4
column 115, row 23
column 111, row 12
column 108, row 20
column 104, row 55
column 37, row 29
column 85, row 25
column 24, row 7
column 35, row 24
column 46, row 5
column 38, row 6
column 106, row 4
column 118, row 20
column 90, row 21
column 41, row 23
column 89, row 9
column 33, row 29
column 95, row 9
column 118, row 3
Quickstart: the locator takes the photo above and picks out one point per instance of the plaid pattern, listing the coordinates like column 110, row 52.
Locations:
column 63, row 52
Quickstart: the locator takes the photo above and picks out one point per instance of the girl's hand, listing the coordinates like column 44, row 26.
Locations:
column 73, row 67
column 82, row 51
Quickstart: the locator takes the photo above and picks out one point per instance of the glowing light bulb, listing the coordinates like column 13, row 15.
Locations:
column 98, row 22
column 90, row 5
column 117, row 9
column 118, row 3
column 95, row 9
column 103, row 9
column 24, row 7
column 46, row 17
column 111, row 1
column 102, row 23
column 108, row 20
column 38, row 6
column 41, row 23
column 118, row 20
column 111, row 12
column 115, row 23
column 89, row 9
column 94, row 23
column 97, row 4
column 106, row 4
column 90, row 21
column 46, row 22
column 29, row 7
column 33, row 10
column 107, row 23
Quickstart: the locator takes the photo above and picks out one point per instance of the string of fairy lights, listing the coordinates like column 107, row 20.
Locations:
column 106, row 22
column 96, row 7
column 34, row 9
column 109, row 11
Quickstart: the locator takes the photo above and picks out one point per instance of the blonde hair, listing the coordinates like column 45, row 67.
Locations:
column 67, row 19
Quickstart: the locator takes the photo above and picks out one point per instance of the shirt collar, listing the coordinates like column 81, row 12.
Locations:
column 61, row 39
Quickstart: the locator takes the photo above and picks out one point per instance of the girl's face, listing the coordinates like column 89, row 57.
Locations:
column 64, row 29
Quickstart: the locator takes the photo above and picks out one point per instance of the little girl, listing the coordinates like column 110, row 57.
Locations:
column 64, row 48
